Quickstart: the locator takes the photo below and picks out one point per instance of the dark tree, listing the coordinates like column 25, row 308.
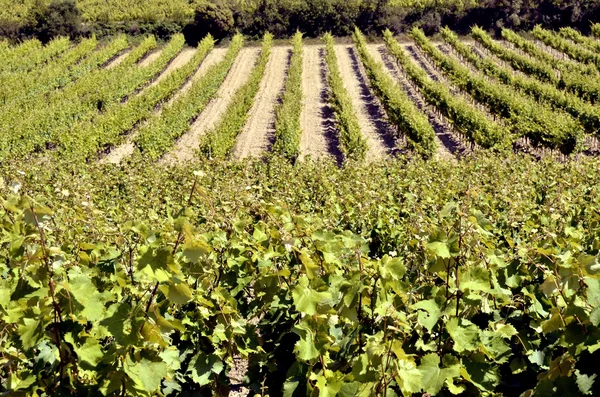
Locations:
column 60, row 18
column 215, row 18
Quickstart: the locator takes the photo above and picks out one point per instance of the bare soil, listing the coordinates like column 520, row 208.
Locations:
column 113, row 63
column 151, row 57
column 128, row 147
column 187, row 145
column 259, row 132
column 371, row 116
column 319, row 135
column 179, row 61
column 212, row 58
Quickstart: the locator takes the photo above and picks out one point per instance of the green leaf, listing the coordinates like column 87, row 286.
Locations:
column 585, row 382
column 179, row 293
column 196, row 249
column 90, row 352
column 84, row 291
column 429, row 313
column 483, row 376
column 307, row 300
column 20, row 381
column 311, row 269
column 440, row 249
column 590, row 265
column 432, row 376
column 466, row 335
column 408, row 377
column 328, row 387
column 595, row 316
column 146, row 374
column 475, row 279
column 391, row 268
column 157, row 263
column 305, row 348
column 593, row 291
column 31, row 331
column 202, row 367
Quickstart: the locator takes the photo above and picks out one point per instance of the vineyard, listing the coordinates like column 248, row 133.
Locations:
column 326, row 218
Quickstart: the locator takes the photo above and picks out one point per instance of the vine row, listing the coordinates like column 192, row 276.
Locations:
column 352, row 142
column 467, row 120
column 528, row 118
column 161, row 131
column 219, row 141
column 400, row 109
column 287, row 114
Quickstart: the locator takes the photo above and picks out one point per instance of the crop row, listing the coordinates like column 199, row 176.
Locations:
column 63, row 82
column 584, row 85
column 220, row 140
column 466, row 119
column 109, row 128
column 589, row 43
column 36, row 58
column 161, row 131
column 287, row 114
column 573, row 50
column 352, row 143
column 527, row 117
column 588, row 114
column 46, row 124
column 16, row 58
column 22, row 94
column 535, row 51
column 400, row 109
column 15, row 85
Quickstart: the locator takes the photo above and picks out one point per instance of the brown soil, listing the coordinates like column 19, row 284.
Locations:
column 179, row 61
column 259, row 131
column 151, row 57
column 371, row 116
column 240, row 72
column 319, row 135
column 212, row 58
column 113, row 63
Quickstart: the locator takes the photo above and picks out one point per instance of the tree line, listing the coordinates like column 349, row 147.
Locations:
column 283, row 18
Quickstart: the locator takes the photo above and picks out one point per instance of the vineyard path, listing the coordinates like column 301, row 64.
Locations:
column 113, row 63
column 126, row 149
column 179, row 61
column 215, row 56
column 238, row 75
column 259, row 131
column 151, row 57
column 318, row 137
column 371, row 117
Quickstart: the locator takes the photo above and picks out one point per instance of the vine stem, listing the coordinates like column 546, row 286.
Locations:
column 458, row 263
column 177, row 242
column 55, row 305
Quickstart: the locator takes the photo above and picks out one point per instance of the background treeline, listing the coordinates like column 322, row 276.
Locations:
column 44, row 19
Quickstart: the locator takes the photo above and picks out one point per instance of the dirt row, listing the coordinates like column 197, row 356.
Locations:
column 126, row 149
column 319, row 133
column 186, row 146
column 116, row 61
column 151, row 57
column 447, row 143
column 259, row 133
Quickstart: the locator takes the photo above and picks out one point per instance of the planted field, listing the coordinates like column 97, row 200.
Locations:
column 358, row 219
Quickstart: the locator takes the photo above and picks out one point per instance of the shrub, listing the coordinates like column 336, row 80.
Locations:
column 60, row 18
column 214, row 18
